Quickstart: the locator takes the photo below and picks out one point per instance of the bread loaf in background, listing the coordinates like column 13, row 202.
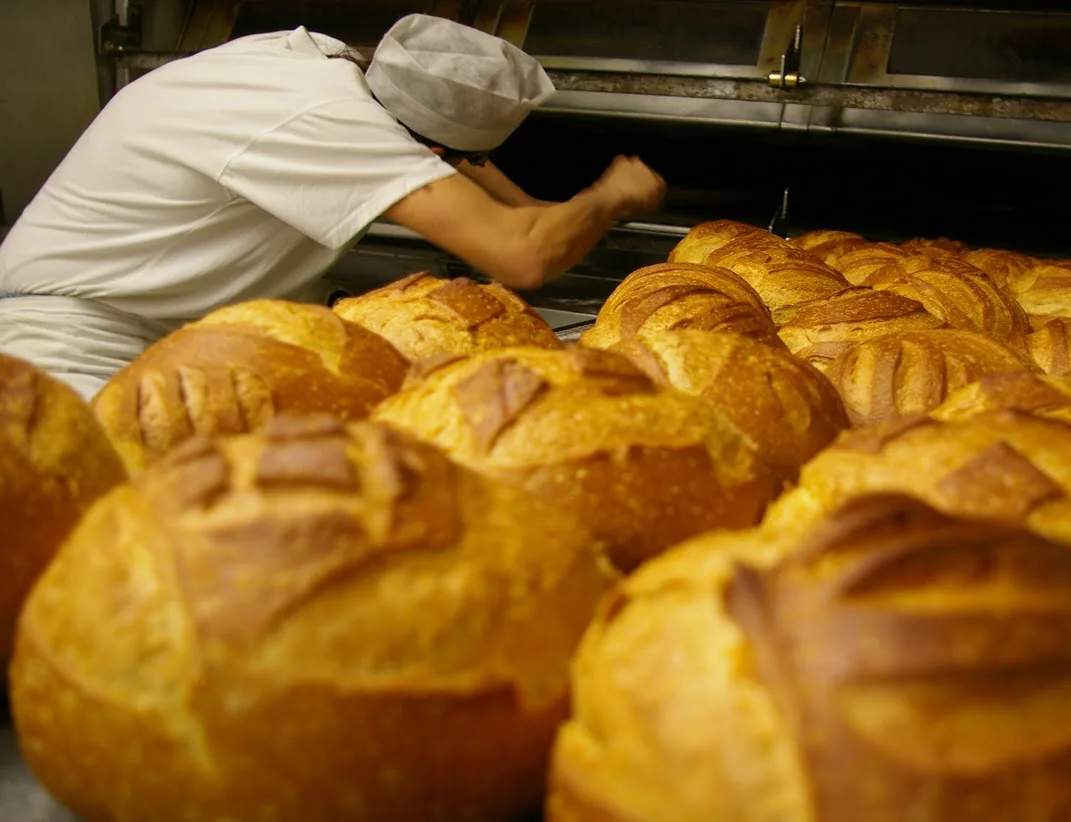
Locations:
column 912, row 372
column 1000, row 466
column 1005, row 268
column 783, row 275
column 935, row 246
column 956, row 293
column 678, row 296
column 828, row 245
column 858, row 263
column 55, row 462
column 706, row 238
column 314, row 623
column 1048, row 346
column 1036, row 394
column 586, row 430
column 1044, row 292
column 426, row 317
column 788, row 408
column 239, row 367
column 893, row 664
column 853, row 316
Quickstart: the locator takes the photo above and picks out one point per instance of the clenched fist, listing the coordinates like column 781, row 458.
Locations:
column 632, row 188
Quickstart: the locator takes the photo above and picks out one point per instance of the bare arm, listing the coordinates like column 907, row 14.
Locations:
column 523, row 247
column 498, row 185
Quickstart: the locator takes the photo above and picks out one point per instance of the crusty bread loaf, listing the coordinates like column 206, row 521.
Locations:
column 829, row 246
column 853, row 316
column 1049, row 346
column 426, row 317
column 314, row 623
column 55, row 461
column 784, row 275
column 858, row 263
column 1044, row 292
column 706, row 238
column 587, row 430
column 789, row 409
column 1004, row 466
column 1005, row 268
column 896, row 664
column 234, row 370
column 912, row 372
column 676, row 296
column 1037, row 394
column 956, row 293
column 935, row 246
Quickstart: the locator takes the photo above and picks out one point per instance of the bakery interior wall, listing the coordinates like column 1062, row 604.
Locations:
column 52, row 82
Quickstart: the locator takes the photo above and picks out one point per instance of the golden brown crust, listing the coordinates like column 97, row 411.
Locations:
column 956, row 293
column 988, row 465
column 787, row 407
column 643, row 468
column 936, row 247
column 858, row 263
column 900, row 641
column 1038, row 395
column 865, row 665
column 55, row 462
column 325, row 584
column 912, row 372
column 1005, row 268
column 782, row 274
column 853, row 316
column 678, row 296
column 239, row 367
column 824, row 243
column 706, row 238
column 1049, row 347
column 426, row 317
column 1044, row 292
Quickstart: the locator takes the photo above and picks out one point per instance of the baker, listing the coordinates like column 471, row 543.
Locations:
column 246, row 171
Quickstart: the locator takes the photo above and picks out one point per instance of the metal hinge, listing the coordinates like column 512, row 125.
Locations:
column 789, row 77
column 116, row 37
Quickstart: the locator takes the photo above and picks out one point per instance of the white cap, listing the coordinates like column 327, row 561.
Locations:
column 456, row 86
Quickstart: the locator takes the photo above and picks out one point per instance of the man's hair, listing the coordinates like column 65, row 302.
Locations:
column 450, row 155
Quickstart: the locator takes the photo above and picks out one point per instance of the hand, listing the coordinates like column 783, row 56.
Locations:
column 632, row 188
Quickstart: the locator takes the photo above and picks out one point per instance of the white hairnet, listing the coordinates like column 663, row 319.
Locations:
column 459, row 87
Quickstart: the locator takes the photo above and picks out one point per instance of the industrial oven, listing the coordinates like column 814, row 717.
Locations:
column 890, row 119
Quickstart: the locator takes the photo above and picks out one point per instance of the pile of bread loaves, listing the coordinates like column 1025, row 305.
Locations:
column 786, row 536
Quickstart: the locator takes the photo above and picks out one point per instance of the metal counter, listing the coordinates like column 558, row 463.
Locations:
column 22, row 799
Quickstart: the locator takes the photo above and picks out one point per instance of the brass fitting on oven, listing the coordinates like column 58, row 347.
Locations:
column 789, row 77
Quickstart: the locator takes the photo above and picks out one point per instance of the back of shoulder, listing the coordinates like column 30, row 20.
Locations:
column 258, row 74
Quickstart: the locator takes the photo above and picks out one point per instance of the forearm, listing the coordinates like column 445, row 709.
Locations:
column 498, row 185
column 562, row 235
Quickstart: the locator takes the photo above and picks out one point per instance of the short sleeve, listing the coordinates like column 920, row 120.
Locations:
column 331, row 170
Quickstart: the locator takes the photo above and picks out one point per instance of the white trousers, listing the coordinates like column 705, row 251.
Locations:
column 81, row 342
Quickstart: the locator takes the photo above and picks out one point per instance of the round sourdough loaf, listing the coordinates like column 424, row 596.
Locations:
column 54, row 463
column 1050, row 347
column 787, row 407
column 1037, row 394
column 912, row 372
column 238, row 368
column 642, row 467
column 1004, row 466
column 889, row 664
column 782, row 274
column 677, row 296
column 426, row 317
column 853, row 316
column 955, row 292
column 316, row 623
column 706, row 238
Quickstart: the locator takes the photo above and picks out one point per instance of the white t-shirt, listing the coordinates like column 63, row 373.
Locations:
column 244, row 171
